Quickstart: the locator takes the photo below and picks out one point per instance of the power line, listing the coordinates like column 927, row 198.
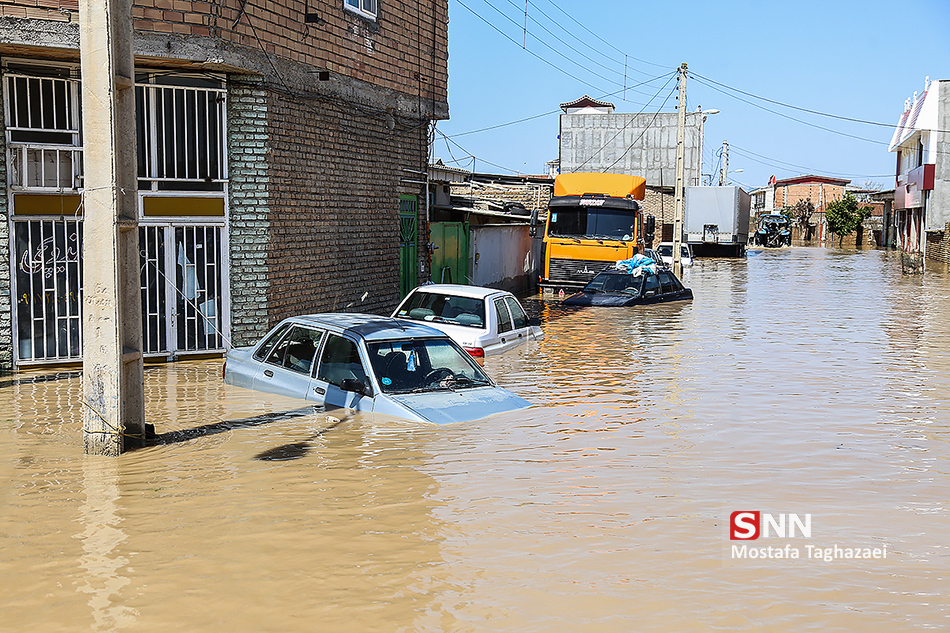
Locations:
column 530, row 52
column 598, row 37
column 591, row 157
column 550, row 112
column 786, row 116
column 774, row 162
column 449, row 140
column 801, row 109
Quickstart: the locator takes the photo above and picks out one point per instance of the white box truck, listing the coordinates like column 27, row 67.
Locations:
column 717, row 220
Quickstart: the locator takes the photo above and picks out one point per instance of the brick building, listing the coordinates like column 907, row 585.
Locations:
column 786, row 193
column 282, row 157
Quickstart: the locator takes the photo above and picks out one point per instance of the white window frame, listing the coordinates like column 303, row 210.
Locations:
column 365, row 8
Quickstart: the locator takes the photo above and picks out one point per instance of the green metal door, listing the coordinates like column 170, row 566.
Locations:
column 408, row 243
column 450, row 259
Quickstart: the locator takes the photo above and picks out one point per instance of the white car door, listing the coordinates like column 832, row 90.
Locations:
column 287, row 368
column 340, row 360
column 507, row 333
column 519, row 320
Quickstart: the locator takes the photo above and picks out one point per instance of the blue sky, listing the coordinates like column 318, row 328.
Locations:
column 849, row 59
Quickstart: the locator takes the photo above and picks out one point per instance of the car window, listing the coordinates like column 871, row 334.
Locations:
column 651, row 284
column 518, row 316
column 504, row 319
column 669, row 282
column 296, row 351
column 442, row 308
column 340, row 360
column 627, row 284
column 424, row 365
column 265, row 347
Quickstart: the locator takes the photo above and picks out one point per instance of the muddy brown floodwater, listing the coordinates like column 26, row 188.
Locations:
column 804, row 382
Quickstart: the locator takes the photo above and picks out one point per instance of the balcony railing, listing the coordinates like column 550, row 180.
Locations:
column 45, row 167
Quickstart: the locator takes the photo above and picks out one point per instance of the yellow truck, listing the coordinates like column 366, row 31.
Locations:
column 593, row 221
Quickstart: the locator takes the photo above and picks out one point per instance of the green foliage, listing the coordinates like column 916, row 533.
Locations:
column 845, row 216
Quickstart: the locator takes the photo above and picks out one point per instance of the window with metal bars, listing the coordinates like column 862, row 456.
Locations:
column 181, row 138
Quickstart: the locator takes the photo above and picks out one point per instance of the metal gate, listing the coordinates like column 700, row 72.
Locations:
column 450, row 259
column 182, row 283
column 408, row 240
column 48, row 278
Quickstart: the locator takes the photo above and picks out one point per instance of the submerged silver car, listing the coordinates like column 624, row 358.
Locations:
column 370, row 364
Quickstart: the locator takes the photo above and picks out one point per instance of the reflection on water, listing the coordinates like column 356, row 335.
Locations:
column 102, row 534
column 798, row 381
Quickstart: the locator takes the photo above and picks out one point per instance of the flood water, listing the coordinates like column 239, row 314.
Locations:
column 802, row 381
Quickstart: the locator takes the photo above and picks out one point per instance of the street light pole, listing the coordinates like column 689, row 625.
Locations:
column 680, row 160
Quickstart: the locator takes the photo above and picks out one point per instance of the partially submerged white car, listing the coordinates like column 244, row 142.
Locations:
column 665, row 251
column 484, row 321
column 373, row 365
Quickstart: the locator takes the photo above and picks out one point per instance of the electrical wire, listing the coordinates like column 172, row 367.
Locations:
column 652, row 121
column 774, row 162
column 598, row 37
column 621, row 131
column 530, row 52
column 800, row 109
column 449, row 140
column 786, row 116
column 550, row 112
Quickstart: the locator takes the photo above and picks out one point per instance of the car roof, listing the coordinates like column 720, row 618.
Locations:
column 368, row 326
column 460, row 290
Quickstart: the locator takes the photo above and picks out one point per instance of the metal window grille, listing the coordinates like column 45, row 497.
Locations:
column 44, row 104
column 181, row 133
column 49, row 289
column 42, row 117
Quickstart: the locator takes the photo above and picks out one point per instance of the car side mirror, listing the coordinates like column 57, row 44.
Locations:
column 355, row 385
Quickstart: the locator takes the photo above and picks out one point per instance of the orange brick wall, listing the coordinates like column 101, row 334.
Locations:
column 405, row 49
column 788, row 195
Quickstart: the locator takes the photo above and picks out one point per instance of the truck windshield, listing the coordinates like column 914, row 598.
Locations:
column 592, row 222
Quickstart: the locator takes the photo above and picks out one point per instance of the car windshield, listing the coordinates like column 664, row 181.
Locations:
column 592, row 222
column 441, row 308
column 664, row 251
column 614, row 283
column 776, row 220
column 418, row 365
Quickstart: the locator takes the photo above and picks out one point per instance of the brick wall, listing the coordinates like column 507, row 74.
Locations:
column 660, row 205
column 249, row 211
column 405, row 49
column 320, row 231
column 531, row 195
column 938, row 245
column 788, row 195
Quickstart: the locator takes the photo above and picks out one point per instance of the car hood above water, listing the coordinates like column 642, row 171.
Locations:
column 447, row 407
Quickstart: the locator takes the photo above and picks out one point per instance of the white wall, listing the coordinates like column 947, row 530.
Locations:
column 504, row 256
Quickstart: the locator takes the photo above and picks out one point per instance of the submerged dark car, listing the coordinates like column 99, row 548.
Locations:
column 615, row 288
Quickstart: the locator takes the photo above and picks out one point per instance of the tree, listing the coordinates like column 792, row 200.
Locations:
column 800, row 214
column 845, row 216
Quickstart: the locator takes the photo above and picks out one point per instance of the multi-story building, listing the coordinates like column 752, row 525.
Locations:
column 921, row 205
column 282, row 160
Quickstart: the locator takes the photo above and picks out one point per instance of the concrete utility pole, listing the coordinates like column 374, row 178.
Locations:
column 724, row 172
column 113, row 383
column 680, row 190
